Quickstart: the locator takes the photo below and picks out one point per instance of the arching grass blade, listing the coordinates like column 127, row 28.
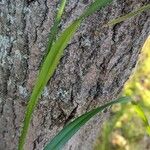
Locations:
column 96, row 5
column 54, row 29
column 47, row 70
column 128, row 16
column 70, row 129
column 143, row 117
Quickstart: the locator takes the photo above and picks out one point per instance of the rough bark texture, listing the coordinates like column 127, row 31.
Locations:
column 96, row 64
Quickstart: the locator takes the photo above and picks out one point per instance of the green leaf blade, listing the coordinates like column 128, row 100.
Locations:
column 96, row 5
column 47, row 69
column 54, row 29
column 70, row 129
column 128, row 16
column 46, row 72
column 61, row 10
column 143, row 117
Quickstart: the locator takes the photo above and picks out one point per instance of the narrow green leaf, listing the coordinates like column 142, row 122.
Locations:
column 128, row 16
column 47, row 70
column 54, row 29
column 70, row 129
column 61, row 10
column 143, row 117
column 96, row 5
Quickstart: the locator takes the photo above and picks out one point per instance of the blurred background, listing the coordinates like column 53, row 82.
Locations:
column 128, row 126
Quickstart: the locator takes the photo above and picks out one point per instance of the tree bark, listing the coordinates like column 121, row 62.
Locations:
column 93, row 70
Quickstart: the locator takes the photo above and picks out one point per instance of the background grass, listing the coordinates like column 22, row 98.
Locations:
column 125, row 130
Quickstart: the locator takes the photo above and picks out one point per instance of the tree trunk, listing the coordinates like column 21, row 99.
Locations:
column 93, row 70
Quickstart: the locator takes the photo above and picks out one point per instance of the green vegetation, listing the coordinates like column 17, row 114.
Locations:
column 51, row 59
column 54, row 29
column 54, row 54
column 129, row 15
column 128, row 128
column 69, row 130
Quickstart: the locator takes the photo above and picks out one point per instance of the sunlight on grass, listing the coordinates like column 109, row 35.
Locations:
column 139, row 85
column 125, row 130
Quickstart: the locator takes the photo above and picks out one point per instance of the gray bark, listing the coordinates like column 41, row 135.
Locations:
column 95, row 66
